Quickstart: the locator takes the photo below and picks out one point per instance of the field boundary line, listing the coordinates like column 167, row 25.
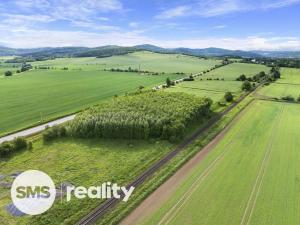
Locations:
column 191, row 190
column 171, row 212
column 261, row 173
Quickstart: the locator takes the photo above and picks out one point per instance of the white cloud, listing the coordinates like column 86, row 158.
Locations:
column 247, row 43
column 278, row 4
column 16, row 19
column 134, row 25
column 219, row 27
column 42, row 38
column 216, row 8
column 174, row 12
column 27, row 4
column 93, row 26
column 69, row 10
column 210, row 8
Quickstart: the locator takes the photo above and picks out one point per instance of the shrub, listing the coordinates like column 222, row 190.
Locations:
column 8, row 73
column 188, row 79
column 29, row 145
column 19, row 143
column 168, row 82
column 8, row 147
column 54, row 132
column 298, row 99
column 246, row 86
column 228, row 96
column 288, row 98
column 241, row 78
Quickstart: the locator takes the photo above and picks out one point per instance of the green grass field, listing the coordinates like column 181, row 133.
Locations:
column 168, row 63
column 289, row 84
column 83, row 163
column 215, row 89
column 46, row 94
column 251, row 176
column 234, row 70
column 56, row 93
column 7, row 66
column 212, row 89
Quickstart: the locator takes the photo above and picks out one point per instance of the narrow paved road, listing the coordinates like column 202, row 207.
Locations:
column 37, row 129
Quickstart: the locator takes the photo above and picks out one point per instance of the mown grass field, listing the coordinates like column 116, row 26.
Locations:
column 212, row 89
column 215, row 89
column 83, row 163
column 154, row 62
column 234, row 70
column 289, row 84
column 251, row 176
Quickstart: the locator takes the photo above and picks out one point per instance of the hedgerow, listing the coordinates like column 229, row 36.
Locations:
column 8, row 147
column 54, row 132
column 142, row 116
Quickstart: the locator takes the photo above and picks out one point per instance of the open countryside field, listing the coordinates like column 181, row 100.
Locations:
column 80, row 162
column 154, row 62
column 289, row 84
column 251, row 176
column 7, row 66
column 215, row 89
column 212, row 89
column 46, row 94
column 49, row 94
column 234, row 70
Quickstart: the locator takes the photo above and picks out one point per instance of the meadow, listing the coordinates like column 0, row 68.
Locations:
column 289, row 84
column 234, row 70
column 7, row 66
column 215, row 89
column 82, row 163
column 154, row 62
column 211, row 89
column 250, row 177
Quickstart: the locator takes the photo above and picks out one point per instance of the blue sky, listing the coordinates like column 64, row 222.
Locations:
column 232, row 24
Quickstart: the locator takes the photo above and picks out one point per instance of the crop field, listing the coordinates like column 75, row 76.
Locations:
column 48, row 94
column 289, row 84
column 250, row 177
column 103, row 160
column 234, row 70
column 44, row 94
column 212, row 89
column 154, row 62
column 215, row 89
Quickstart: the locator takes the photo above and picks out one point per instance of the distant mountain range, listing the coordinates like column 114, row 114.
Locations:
column 111, row 50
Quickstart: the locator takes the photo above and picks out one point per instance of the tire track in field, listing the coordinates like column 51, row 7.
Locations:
column 260, row 176
column 180, row 203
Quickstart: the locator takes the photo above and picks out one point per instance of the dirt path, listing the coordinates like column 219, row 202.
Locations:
column 166, row 190
column 37, row 129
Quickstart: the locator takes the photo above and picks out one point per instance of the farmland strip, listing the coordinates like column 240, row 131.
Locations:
column 256, row 188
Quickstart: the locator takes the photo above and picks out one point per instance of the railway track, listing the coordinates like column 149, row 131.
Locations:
column 102, row 209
